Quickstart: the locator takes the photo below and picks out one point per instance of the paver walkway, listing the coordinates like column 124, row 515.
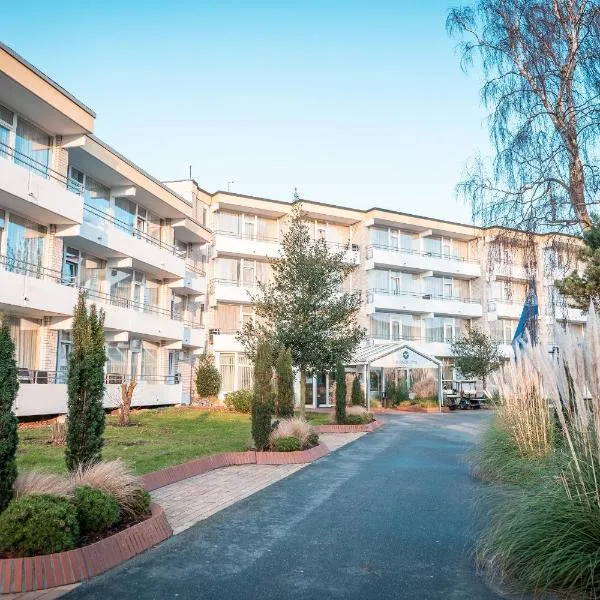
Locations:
column 389, row 516
column 191, row 500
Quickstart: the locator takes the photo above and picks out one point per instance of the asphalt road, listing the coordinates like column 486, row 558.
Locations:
column 388, row 516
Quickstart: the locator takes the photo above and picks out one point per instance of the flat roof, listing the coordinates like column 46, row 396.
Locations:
column 47, row 79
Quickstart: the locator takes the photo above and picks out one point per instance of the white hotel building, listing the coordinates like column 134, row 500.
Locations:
column 173, row 265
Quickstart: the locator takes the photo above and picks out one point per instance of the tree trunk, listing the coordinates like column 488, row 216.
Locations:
column 577, row 193
column 127, row 390
column 302, row 391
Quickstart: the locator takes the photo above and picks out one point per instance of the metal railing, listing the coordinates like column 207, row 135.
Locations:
column 21, row 267
column 194, row 268
column 426, row 253
column 420, row 295
column 257, row 237
column 232, row 283
column 41, row 377
column 437, row 337
column 131, row 229
column 39, row 168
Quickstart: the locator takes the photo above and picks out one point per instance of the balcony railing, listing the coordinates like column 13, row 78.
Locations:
column 21, row 267
column 232, row 283
column 256, row 237
column 410, row 251
column 195, row 268
column 90, row 213
column 39, row 168
column 37, row 376
column 420, row 295
column 429, row 337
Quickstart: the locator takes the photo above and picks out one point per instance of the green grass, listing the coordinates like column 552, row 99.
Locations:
column 318, row 418
column 157, row 438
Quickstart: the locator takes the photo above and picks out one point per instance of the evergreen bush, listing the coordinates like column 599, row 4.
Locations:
column 208, row 378
column 9, row 384
column 357, row 397
column 285, row 384
column 312, row 439
column 340, row 394
column 41, row 524
column 96, row 510
column 262, row 400
column 287, row 444
column 86, row 419
column 240, row 401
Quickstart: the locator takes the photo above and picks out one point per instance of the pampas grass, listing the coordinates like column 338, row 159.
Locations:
column 292, row 427
column 38, row 482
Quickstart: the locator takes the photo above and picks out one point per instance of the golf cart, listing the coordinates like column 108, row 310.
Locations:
column 461, row 394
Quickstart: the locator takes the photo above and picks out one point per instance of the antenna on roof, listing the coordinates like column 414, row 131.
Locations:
column 296, row 196
column 190, row 171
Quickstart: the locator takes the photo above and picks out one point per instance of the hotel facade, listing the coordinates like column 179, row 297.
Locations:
column 174, row 266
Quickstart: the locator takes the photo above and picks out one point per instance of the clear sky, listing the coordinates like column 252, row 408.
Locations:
column 355, row 103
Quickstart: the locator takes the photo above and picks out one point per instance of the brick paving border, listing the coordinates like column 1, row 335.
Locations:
column 64, row 568
column 365, row 427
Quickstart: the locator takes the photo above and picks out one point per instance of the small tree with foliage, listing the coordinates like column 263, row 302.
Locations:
column 304, row 307
column 208, row 378
column 9, row 385
column 476, row 355
column 262, row 400
column 340, row 394
column 356, row 396
column 583, row 289
column 285, row 384
column 86, row 419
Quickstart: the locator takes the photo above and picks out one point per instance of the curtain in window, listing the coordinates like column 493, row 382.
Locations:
column 152, row 293
column 245, row 373
column 432, row 245
column 229, row 223
column 379, row 280
column 149, row 360
column 24, row 246
column 228, row 317
column 32, row 148
column 4, row 139
column 378, row 237
column 120, row 285
column 267, row 228
column 228, row 269
column 92, row 273
column 116, row 358
column 380, row 326
column 26, row 343
column 227, row 370
column 264, row 271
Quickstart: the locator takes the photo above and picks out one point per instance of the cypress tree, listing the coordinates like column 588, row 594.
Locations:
column 262, row 405
column 9, row 384
column 356, row 395
column 86, row 419
column 340, row 394
column 285, row 384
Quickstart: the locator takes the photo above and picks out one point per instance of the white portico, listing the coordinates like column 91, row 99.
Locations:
column 394, row 357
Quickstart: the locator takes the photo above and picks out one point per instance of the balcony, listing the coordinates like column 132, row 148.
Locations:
column 194, row 335
column 418, row 261
column 45, row 392
column 504, row 309
column 193, row 283
column 108, row 237
column 34, row 290
column 35, row 191
column 422, row 303
column 231, row 291
column 247, row 246
column 504, row 270
column 223, row 340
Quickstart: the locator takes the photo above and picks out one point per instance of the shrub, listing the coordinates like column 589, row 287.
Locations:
column 358, row 415
column 285, row 384
column 340, row 393
column 240, row 401
column 312, row 439
column 86, row 419
column 97, row 511
column 9, row 384
column 39, row 483
column 115, row 478
column 38, row 525
column 262, row 399
column 140, row 505
column 375, row 403
column 357, row 397
column 354, row 420
column 295, row 427
column 425, row 388
column 402, row 392
column 287, row 444
column 208, row 378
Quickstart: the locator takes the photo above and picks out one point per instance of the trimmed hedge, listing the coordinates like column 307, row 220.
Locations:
column 41, row 524
column 97, row 511
column 287, row 444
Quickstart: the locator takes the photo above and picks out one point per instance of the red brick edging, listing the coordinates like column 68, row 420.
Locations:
column 63, row 568
column 372, row 426
column 169, row 475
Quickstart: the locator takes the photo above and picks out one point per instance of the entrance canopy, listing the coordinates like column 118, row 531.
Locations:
column 398, row 355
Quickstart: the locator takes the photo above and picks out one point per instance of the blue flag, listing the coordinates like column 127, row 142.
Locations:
column 528, row 320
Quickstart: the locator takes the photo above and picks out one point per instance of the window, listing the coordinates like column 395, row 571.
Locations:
column 247, row 314
column 245, row 373
column 125, row 212
column 70, row 272
column 227, row 370
column 6, row 124
column 228, row 223
column 117, row 354
column 25, row 335
column 24, row 246
column 149, row 368
column 249, row 227
column 32, row 147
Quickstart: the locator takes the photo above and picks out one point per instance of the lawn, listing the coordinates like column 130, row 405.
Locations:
column 318, row 418
column 157, row 438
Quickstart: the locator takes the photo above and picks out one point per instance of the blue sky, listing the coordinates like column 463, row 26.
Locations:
column 355, row 103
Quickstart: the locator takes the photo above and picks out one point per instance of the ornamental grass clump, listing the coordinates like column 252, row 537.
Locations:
column 35, row 483
column 296, row 427
column 544, row 535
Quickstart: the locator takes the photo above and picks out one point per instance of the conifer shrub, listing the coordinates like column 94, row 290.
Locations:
column 357, row 397
column 285, row 384
column 9, row 384
column 208, row 378
column 340, row 394
column 97, row 511
column 262, row 399
column 41, row 524
column 287, row 444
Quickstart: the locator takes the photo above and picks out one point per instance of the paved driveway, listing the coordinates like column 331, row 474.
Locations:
column 388, row 516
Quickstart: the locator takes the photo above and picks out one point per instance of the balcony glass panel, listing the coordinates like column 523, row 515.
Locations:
column 24, row 245
column 32, row 148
